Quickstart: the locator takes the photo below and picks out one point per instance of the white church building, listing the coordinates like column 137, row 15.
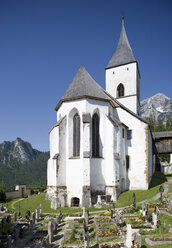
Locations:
column 100, row 145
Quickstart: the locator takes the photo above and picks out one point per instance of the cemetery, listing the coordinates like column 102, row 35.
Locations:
column 143, row 224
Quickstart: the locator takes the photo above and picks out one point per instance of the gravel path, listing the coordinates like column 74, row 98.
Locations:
column 12, row 205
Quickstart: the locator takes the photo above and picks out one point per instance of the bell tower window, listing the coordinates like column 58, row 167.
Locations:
column 120, row 90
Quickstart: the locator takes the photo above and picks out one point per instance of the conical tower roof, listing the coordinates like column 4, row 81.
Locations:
column 83, row 85
column 123, row 54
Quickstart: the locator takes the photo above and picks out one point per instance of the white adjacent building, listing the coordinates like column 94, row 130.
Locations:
column 100, row 145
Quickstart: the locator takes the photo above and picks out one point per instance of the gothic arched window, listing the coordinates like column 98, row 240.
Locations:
column 120, row 90
column 76, row 135
column 95, row 135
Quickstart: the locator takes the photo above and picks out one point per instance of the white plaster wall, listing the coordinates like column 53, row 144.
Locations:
column 129, row 102
column 109, row 144
column 120, row 74
column 86, row 137
column 77, row 169
column 151, row 168
column 136, row 149
column 51, row 172
column 54, row 141
column 128, row 76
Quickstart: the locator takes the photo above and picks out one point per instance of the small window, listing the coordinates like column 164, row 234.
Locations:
column 129, row 134
column 127, row 162
column 120, row 90
column 123, row 133
column 75, row 202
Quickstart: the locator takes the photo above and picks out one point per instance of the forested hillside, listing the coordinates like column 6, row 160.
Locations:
column 29, row 173
column 21, row 164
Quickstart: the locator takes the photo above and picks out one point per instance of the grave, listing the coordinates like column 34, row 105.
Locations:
column 129, row 236
column 50, row 232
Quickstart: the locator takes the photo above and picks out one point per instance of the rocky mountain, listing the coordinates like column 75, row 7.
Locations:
column 21, row 164
column 157, row 107
column 18, row 150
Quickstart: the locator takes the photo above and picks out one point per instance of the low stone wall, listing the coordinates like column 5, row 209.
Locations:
column 152, row 243
column 12, row 194
column 166, row 168
column 17, row 194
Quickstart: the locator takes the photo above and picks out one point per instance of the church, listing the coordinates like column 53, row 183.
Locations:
column 100, row 144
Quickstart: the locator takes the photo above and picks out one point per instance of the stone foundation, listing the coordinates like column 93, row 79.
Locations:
column 57, row 195
column 86, row 198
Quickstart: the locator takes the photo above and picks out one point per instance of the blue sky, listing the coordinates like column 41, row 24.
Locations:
column 44, row 42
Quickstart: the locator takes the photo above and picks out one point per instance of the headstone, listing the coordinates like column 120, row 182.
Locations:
column 37, row 215
column 143, row 206
column 33, row 218
column 40, row 210
column 88, row 213
column 8, row 219
column 170, row 204
column 9, row 241
column 117, row 217
column 129, row 236
column 15, row 217
column 2, row 207
column 16, row 236
column 27, row 214
column 50, row 232
column 137, row 238
column 57, row 220
column 99, row 199
column 83, row 214
column 134, row 200
column 54, row 226
column 86, row 240
column 19, row 210
column 61, row 215
column 3, row 224
column 154, row 219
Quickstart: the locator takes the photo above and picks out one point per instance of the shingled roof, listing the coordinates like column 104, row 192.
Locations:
column 83, row 85
column 123, row 54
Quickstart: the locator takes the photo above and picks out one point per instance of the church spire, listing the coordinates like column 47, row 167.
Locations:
column 123, row 54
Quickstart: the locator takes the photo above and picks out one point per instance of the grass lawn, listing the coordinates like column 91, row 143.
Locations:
column 34, row 201
column 125, row 198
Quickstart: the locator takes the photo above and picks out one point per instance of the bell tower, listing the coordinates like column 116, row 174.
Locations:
column 122, row 75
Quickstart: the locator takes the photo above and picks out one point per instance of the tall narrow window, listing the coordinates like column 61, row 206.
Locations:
column 95, row 135
column 127, row 162
column 120, row 90
column 76, row 135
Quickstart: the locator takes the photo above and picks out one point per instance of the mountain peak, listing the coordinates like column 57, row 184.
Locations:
column 157, row 107
column 17, row 150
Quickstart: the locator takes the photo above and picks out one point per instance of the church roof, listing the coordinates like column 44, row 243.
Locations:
column 83, row 85
column 123, row 54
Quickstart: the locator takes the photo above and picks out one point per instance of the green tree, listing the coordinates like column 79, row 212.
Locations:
column 2, row 192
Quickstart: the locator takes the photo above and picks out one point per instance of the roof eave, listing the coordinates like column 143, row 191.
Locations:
column 81, row 97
